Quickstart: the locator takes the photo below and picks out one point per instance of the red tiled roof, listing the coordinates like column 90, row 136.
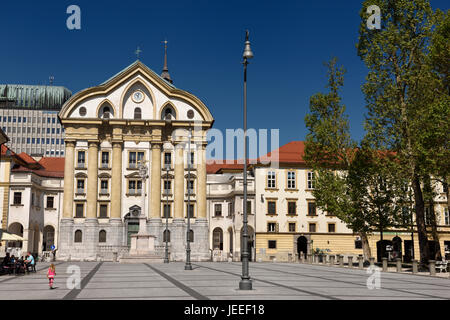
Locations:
column 27, row 158
column 215, row 166
column 47, row 167
column 291, row 152
column 53, row 164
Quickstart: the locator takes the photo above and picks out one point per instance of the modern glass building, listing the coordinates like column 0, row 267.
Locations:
column 29, row 116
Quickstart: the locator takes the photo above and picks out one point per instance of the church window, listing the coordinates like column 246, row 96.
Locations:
column 190, row 210
column 81, row 159
column 167, row 211
column 134, row 158
column 79, row 210
column 103, row 211
column 106, row 113
column 102, row 236
column 105, row 159
column 80, row 186
column 82, row 111
column 167, row 159
column 166, row 236
column 135, row 187
column 104, row 187
column 78, row 236
column 138, row 113
column 168, row 114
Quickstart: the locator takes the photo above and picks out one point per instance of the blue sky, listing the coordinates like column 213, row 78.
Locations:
column 290, row 39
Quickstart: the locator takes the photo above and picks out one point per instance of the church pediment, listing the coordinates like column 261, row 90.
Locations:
column 135, row 93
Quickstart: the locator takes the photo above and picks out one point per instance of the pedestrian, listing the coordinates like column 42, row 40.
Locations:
column 51, row 275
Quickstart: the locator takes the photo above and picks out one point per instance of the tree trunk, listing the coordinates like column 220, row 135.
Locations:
column 420, row 220
column 365, row 245
column 428, row 189
column 434, row 232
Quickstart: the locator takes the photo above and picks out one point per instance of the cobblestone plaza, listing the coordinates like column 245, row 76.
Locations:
column 219, row 281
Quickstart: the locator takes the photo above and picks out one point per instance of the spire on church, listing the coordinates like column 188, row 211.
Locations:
column 165, row 72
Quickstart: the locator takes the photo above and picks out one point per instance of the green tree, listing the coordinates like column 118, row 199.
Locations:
column 352, row 183
column 399, row 90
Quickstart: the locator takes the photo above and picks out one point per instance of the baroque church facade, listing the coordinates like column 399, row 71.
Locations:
column 135, row 118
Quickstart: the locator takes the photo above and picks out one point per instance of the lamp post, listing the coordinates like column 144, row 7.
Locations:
column 245, row 283
column 166, row 254
column 188, row 265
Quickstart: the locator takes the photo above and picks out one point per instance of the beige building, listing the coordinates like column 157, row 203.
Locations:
column 134, row 117
column 288, row 223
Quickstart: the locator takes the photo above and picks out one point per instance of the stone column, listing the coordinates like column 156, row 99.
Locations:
column 399, row 264
column 414, row 266
column 116, row 234
column 309, row 258
column 332, row 260
column 92, row 184
column 372, row 261
column 155, row 226
column 432, row 267
column 66, row 224
column 201, row 181
column 361, row 262
column 178, row 231
column 385, row 264
column 179, row 183
column 341, row 260
column 69, row 173
column 350, row 261
column 91, row 222
column 155, row 199
column 116, row 181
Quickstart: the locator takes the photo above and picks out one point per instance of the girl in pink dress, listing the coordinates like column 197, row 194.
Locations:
column 51, row 275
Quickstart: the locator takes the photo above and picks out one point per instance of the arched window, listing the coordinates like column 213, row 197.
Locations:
column 102, row 236
column 78, row 236
column 217, row 239
column 166, row 236
column 168, row 113
column 106, row 112
column 191, row 236
column 138, row 113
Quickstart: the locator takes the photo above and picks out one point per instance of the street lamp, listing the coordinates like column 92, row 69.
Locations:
column 166, row 255
column 188, row 265
column 143, row 174
column 245, row 283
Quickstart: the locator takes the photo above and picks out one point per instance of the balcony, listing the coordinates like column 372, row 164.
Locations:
column 134, row 192
column 81, row 165
column 104, row 166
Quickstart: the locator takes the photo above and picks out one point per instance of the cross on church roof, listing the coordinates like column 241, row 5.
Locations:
column 137, row 52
